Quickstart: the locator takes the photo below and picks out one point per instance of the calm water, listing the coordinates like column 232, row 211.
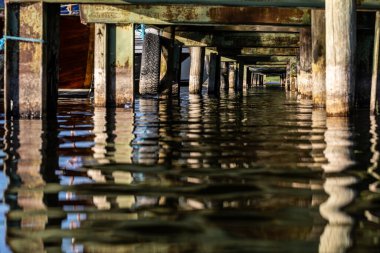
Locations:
column 256, row 172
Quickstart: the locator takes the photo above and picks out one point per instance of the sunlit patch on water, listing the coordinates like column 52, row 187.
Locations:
column 260, row 171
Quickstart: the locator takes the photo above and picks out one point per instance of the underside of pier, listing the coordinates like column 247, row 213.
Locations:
column 325, row 50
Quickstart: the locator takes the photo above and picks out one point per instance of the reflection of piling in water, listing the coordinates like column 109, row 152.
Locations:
column 124, row 135
column 100, row 135
column 146, row 131
column 31, row 192
column 339, row 153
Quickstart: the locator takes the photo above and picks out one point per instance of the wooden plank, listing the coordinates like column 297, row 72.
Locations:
column 100, row 65
column 193, row 14
column 340, row 56
column 238, row 40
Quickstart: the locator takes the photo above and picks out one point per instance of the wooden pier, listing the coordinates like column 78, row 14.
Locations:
column 311, row 45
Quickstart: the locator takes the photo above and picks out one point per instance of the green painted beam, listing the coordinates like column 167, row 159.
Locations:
column 193, row 14
column 238, row 40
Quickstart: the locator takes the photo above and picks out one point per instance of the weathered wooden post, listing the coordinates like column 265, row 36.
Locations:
column 293, row 75
column 197, row 55
column 214, row 74
column 150, row 63
column 318, row 30
column 240, row 82
column 231, row 76
column 245, row 77
column 257, row 79
column 364, row 57
column 287, row 81
column 167, row 68
column 31, row 60
column 100, row 65
column 304, row 77
column 114, row 65
column 224, row 75
column 375, row 92
column 121, row 43
column 249, row 78
column 177, row 69
column 340, row 56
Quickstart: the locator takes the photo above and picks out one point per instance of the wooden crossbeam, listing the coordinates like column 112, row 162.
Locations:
column 238, row 40
column 193, row 14
column 362, row 4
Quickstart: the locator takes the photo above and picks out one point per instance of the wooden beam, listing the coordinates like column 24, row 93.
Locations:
column 240, row 28
column 362, row 4
column 267, row 51
column 238, row 40
column 193, row 14
column 270, row 59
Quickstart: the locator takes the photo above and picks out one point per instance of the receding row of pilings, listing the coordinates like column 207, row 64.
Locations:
column 329, row 64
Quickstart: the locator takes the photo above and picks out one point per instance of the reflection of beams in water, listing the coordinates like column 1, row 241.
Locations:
column 4, row 182
column 146, row 130
column 124, row 135
column 375, row 153
column 373, row 165
column 339, row 153
column 27, row 133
